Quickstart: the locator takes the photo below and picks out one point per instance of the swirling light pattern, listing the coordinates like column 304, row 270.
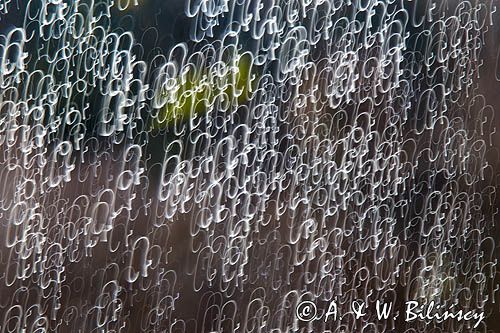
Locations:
column 206, row 165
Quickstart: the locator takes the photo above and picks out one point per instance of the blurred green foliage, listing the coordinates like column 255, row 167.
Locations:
column 197, row 91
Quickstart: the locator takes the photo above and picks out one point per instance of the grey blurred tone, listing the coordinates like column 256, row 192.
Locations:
column 317, row 182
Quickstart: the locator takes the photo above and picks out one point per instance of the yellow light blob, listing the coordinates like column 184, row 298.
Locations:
column 193, row 96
